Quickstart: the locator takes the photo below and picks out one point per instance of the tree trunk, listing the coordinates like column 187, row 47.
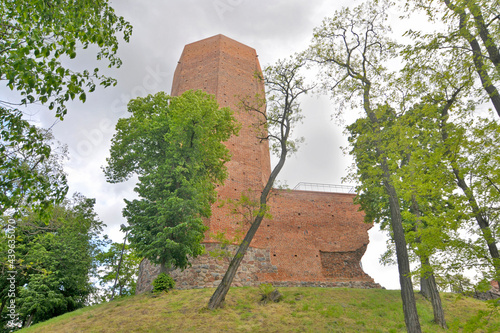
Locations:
column 164, row 268
column 287, row 84
column 437, row 306
column 28, row 321
column 407, row 295
column 428, row 283
column 488, row 40
column 481, row 220
column 218, row 297
column 425, row 287
column 428, row 286
column 485, row 78
column 477, row 55
column 220, row 293
column 118, row 269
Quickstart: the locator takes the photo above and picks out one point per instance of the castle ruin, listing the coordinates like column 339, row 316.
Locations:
column 313, row 239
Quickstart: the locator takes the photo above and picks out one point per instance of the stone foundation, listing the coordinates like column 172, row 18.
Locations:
column 207, row 271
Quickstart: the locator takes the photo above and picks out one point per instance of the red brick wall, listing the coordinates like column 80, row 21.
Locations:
column 314, row 236
column 227, row 68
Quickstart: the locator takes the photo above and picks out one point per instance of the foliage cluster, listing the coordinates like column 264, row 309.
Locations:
column 175, row 147
column 38, row 37
column 426, row 163
column 163, row 282
column 31, row 173
column 108, row 262
column 54, row 261
column 38, row 51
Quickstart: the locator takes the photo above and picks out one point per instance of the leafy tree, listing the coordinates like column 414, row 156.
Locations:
column 31, row 172
column 351, row 48
column 174, row 145
column 38, row 37
column 108, row 266
column 419, row 154
column 422, row 178
column 428, row 70
column 464, row 50
column 470, row 37
column 284, row 85
column 475, row 167
column 54, row 261
column 38, row 49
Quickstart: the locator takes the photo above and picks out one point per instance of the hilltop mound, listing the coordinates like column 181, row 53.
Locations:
column 301, row 310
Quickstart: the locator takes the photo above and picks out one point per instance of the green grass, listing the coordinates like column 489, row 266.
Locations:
column 302, row 310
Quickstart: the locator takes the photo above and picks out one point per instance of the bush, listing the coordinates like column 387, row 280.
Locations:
column 163, row 282
column 269, row 294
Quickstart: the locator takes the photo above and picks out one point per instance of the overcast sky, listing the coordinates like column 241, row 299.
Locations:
column 276, row 29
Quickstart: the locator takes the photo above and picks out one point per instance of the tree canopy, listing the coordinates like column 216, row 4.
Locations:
column 38, row 63
column 175, row 147
column 353, row 48
column 31, row 171
column 466, row 35
column 40, row 37
column 458, row 63
column 418, row 163
column 54, row 261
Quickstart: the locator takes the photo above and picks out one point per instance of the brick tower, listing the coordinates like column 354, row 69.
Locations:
column 226, row 68
column 313, row 239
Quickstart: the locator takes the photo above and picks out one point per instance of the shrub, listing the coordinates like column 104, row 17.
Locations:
column 269, row 294
column 163, row 282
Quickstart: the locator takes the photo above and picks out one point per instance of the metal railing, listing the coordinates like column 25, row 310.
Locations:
column 317, row 187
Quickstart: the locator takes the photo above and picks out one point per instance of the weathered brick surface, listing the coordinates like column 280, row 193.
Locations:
column 313, row 239
column 314, row 236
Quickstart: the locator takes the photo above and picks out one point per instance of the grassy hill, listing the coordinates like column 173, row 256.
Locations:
column 302, row 310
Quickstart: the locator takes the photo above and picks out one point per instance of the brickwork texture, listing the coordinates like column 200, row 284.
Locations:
column 312, row 239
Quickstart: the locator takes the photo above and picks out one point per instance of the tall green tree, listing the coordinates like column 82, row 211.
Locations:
column 421, row 177
column 38, row 37
column 175, row 147
column 468, row 32
column 31, row 172
column 463, row 54
column 285, row 85
column 475, row 168
column 38, row 56
column 352, row 48
column 108, row 262
column 54, row 261
column 416, row 153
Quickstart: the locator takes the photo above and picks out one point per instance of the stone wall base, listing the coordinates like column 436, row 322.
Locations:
column 328, row 284
column 207, row 271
